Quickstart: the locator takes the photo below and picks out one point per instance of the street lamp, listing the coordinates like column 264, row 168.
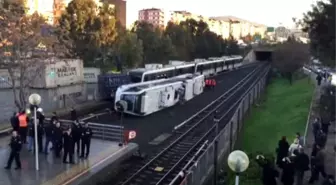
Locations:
column 238, row 162
column 35, row 100
column 121, row 106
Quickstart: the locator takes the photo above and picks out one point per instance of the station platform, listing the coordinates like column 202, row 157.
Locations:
column 54, row 172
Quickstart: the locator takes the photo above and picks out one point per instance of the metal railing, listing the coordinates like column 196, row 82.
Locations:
column 190, row 136
column 100, row 131
column 203, row 165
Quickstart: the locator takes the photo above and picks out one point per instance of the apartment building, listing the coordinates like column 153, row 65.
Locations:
column 154, row 16
column 222, row 25
column 241, row 28
column 52, row 9
column 120, row 10
column 60, row 5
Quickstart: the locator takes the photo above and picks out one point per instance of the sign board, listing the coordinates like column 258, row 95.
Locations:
column 270, row 29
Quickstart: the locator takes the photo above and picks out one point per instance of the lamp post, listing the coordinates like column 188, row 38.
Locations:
column 216, row 121
column 35, row 100
column 238, row 162
column 121, row 106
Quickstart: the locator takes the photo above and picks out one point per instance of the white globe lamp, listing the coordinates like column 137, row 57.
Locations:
column 238, row 162
column 34, row 99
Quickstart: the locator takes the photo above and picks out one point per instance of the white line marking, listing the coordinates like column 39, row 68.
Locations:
column 94, row 166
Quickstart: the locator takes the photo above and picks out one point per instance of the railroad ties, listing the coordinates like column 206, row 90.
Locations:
column 191, row 135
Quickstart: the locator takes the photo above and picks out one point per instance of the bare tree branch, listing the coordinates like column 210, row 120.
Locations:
column 26, row 41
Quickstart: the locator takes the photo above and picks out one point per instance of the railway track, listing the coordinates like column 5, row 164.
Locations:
column 191, row 136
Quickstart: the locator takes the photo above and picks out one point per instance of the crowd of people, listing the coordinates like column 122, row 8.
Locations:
column 293, row 162
column 48, row 133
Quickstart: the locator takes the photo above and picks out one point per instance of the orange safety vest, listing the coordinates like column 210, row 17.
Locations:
column 23, row 120
column 207, row 82
column 214, row 82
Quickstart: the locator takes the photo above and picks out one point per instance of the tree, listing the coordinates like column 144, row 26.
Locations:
column 248, row 38
column 319, row 23
column 25, row 43
column 290, row 56
column 182, row 40
column 129, row 49
column 233, row 48
column 157, row 48
column 92, row 30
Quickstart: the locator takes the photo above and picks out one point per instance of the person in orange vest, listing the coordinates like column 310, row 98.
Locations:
column 23, row 126
column 213, row 83
column 207, row 83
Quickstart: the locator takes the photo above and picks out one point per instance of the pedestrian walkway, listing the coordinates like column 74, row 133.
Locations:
column 309, row 137
column 54, row 172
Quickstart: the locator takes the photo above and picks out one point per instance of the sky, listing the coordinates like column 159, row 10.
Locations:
column 268, row 12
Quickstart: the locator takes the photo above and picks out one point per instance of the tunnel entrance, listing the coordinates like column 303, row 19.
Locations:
column 263, row 55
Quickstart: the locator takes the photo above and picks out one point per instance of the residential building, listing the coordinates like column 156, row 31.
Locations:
column 241, row 28
column 120, row 10
column 222, row 26
column 60, row 5
column 154, row 16
column 52, row 9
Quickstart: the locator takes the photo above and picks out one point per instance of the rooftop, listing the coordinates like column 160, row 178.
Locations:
column 233, row 18
column 151, row 9
column 168, row 81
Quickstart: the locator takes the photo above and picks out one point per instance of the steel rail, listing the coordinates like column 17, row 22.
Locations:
column 185, row 134
column 207, row 133
column 189, row 164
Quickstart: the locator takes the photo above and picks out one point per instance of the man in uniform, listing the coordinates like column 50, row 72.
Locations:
column 73, row 114
column 57, row 139
column 54, row 118
column 16, row 145
column 49, row 131
column 68, row 146
column 86, row 140
column 76, row 134
column 15, row 121
column 40, row 132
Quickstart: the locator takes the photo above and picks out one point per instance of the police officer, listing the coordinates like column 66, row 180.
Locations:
column 15, row 121
column 57, row 139
column 40, row 132
column 49, row 131
column 54, row 118
column 73, row 114
column 16, row 145
column 40, row 116
column 76, row 134
column 68, row 146
column 318, row 79
column 86, row 140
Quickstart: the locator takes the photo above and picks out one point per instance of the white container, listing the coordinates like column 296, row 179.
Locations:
column 91, row 74
column 59, row 72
